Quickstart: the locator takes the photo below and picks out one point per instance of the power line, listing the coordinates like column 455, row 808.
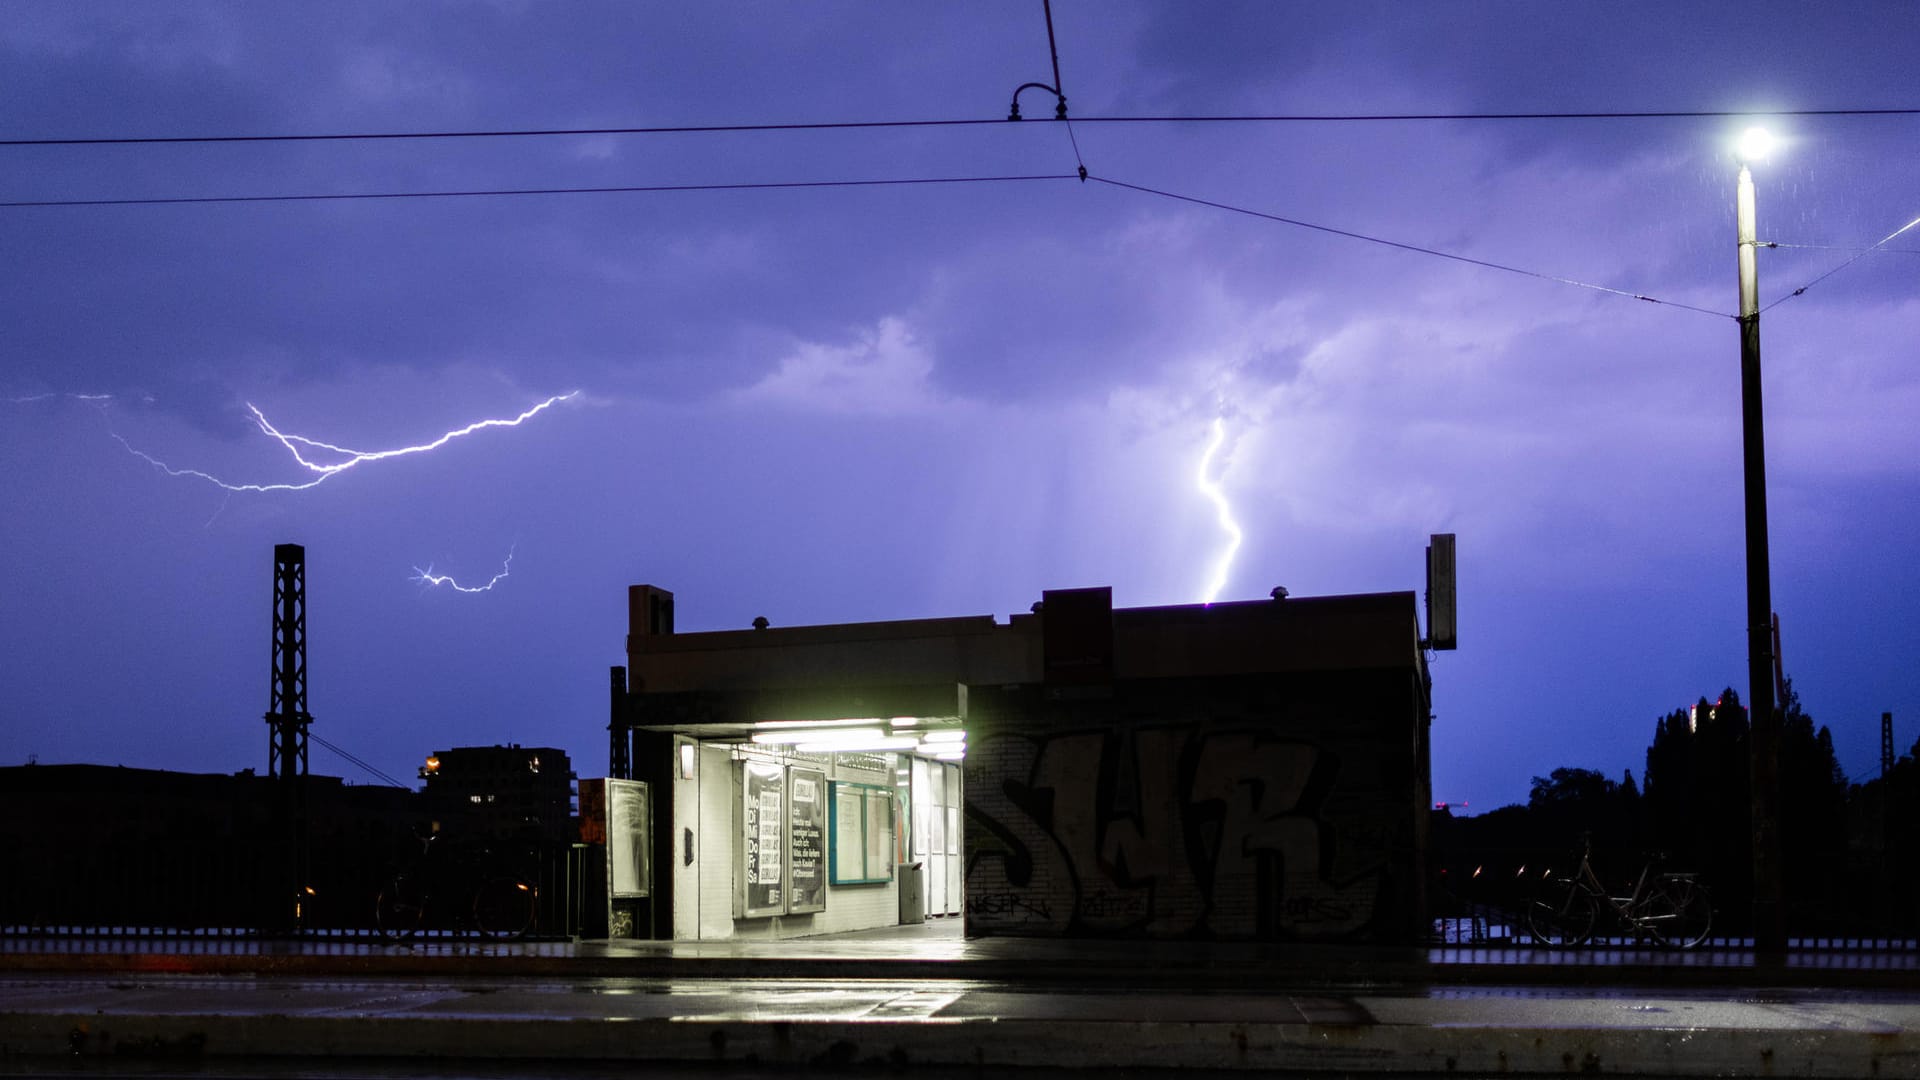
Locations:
column 1082, row 175
column 1405, row 246
column 1856, row 258
column 369, row 769
column 327, row 197
column 859, row 125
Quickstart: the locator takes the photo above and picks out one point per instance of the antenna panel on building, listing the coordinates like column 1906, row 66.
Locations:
column 1440, row 592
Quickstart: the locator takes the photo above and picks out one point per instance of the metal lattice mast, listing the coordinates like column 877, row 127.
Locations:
column 287, row 719
column 1886, row 744
column 287, row 705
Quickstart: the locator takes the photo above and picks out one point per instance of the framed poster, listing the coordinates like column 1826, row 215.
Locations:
column 629, row 840
column 862, row 834
column 761, row 872
column 806, row 840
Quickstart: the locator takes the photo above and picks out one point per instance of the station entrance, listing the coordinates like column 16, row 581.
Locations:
column 813, row 827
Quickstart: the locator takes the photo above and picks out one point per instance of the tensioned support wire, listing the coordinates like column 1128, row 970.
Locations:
column 1402, row 246
column 1059, row 89
column 1884, row 241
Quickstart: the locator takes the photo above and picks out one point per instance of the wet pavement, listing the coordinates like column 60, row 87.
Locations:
column 129, row 1022
column 923, row 997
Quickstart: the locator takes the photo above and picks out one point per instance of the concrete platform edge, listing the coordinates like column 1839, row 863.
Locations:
column 1361, row 972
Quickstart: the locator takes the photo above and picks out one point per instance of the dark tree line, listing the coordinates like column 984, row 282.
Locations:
column 1848, row 851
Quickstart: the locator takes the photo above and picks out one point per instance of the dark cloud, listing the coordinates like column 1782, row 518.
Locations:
column 885, row 402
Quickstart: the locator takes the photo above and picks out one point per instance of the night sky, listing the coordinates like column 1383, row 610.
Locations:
column 856, row 403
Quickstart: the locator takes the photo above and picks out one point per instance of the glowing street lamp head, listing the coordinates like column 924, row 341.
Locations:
column 1754, row 145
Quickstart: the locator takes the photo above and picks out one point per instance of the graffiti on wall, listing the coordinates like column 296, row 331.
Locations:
column 1168, row 830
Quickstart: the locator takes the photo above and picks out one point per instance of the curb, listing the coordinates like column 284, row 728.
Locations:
column 1042, row 971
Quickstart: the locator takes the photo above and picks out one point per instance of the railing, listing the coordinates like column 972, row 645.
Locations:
column 1497, row 927
column 213, row 889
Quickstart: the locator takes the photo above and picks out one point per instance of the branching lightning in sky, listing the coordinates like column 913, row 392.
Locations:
column 325, row 470
column 1223, row 512
column 428, row 577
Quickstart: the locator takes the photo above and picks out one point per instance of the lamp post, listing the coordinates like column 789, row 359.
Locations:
column 1769, row 933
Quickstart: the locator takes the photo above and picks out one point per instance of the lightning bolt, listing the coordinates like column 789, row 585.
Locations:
column 44, row 397
column 428, row 577
column 326, row 470
column 1223, row 512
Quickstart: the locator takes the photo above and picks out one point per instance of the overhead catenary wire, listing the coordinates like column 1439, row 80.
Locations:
column 1082, row 175
column 857, row 125
column 511, row 192
column 1403, row 246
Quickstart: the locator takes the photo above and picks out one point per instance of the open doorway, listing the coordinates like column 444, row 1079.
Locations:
column 932, row 792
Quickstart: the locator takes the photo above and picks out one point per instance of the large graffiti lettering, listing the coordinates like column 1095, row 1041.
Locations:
column 1165, row 830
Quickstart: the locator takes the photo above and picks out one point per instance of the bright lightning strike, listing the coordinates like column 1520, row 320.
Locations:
column 325, row 470
column 1222, row 510
column 428, row 577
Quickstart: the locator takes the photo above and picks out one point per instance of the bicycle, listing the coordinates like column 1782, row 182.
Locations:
column 1671, row 908
column 501, row 905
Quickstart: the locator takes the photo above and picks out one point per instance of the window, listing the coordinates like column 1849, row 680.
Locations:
column 861, row 844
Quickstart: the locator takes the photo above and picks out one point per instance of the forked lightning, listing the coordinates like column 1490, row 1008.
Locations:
column 428, row 577
column 326, row 470
column 1223, row 512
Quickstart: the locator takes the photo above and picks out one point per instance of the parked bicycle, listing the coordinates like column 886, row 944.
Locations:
column 1671, row 908
column 441, row 886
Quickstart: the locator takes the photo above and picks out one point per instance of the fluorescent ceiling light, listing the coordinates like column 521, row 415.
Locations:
column 776, row 738
column 855, row 746
column 947, row 735
column 950, row 755
column 806, row 725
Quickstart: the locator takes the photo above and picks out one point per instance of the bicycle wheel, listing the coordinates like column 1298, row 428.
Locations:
column 1679, row 912
column 399, row 909
column 503, row 908
column 1562, row 915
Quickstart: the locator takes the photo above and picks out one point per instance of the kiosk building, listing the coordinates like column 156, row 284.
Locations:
column 1248, row 770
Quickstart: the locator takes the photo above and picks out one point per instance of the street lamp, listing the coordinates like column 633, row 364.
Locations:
column 1769, row 932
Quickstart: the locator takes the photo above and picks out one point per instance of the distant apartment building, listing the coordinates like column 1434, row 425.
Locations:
column 509, row 790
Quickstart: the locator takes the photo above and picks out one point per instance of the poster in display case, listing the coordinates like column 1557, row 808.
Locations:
column 806, row 840
column 629, row 840
column 761, row 873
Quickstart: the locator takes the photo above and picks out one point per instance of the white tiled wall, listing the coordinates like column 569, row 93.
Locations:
column 849, row 907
